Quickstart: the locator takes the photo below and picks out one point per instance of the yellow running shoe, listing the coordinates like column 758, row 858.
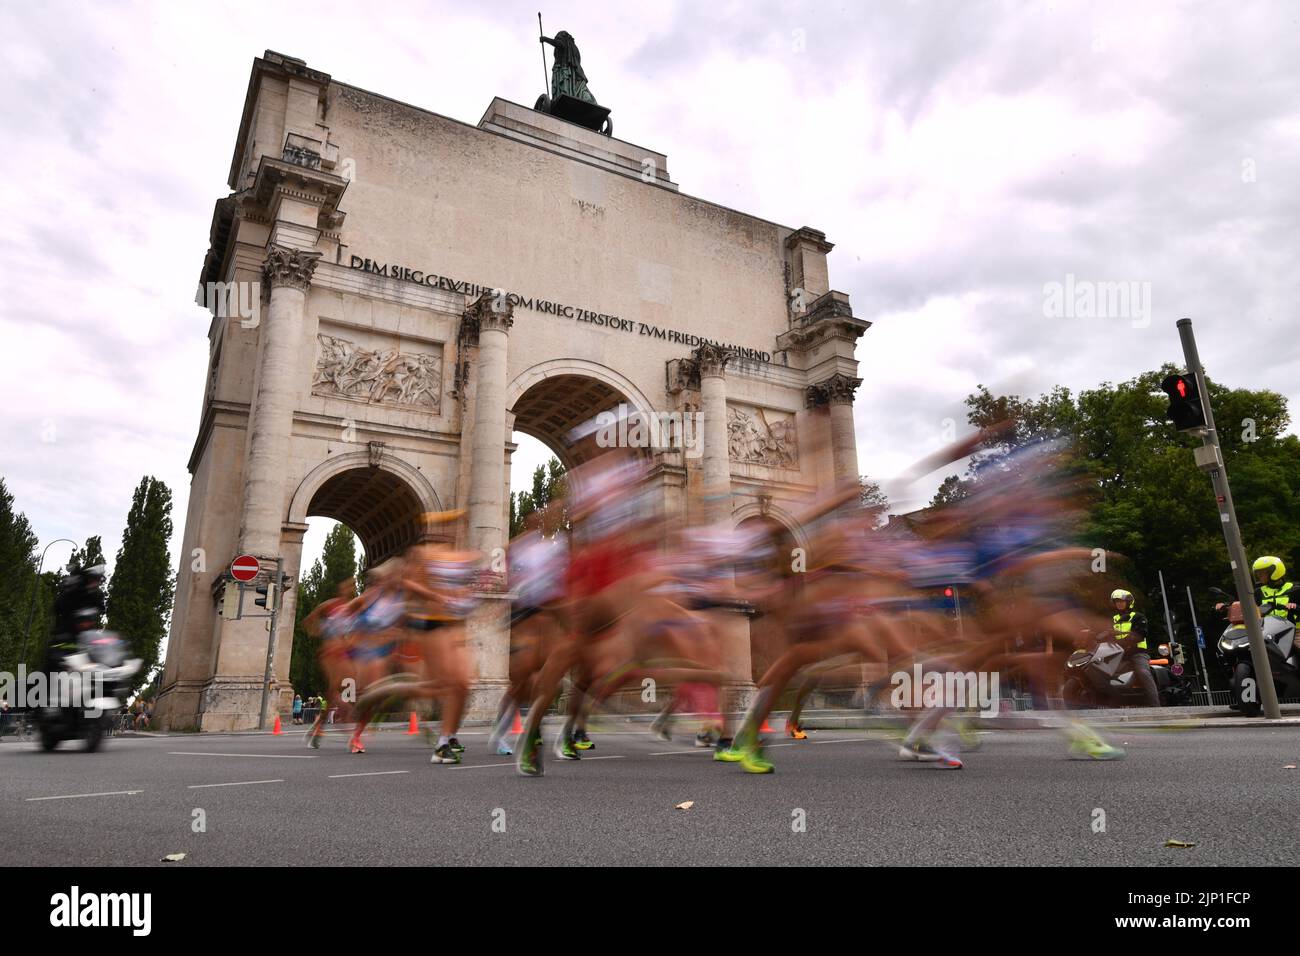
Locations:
column 753, row 761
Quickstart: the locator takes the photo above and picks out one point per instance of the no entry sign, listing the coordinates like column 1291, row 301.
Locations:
column 245, row 567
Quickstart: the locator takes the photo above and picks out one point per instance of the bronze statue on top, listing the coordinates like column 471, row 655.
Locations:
column 568, row 97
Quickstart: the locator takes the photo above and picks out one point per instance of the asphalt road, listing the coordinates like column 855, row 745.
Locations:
column 1019, row 800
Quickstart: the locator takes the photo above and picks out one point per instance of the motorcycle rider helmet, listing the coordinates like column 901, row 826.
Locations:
column 1119, row 594
column 1270, row 566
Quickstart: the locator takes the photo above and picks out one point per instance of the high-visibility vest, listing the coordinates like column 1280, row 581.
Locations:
column 1124, row 624
column 1280, row 596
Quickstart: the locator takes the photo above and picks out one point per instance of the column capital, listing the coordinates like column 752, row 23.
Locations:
column 711, row 360
column 836, row 390
column 289, row 267
column 490, row 312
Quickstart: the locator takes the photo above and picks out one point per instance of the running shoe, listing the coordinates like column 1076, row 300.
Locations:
column 564, row 747
column 726, row 751
column 1094, row 748
column 705, row 739
column 314, row 737
column 456, row 745
column 355, row 746
column 529, row 761
column 500, row 748
column 927, row 754
column 582, row 742
column 752, row 760
column 796, row 732
column 445, row 754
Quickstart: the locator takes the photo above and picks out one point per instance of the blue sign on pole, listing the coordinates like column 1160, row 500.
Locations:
column 1200, row 638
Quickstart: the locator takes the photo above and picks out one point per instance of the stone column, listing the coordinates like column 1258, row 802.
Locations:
column 287, row 273
column 837, row 393
column 490, row 319
column 493, row 316
column 713, row 404
column 737, row 653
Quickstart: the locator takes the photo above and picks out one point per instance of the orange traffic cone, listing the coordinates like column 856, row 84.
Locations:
column 766, row 728
column 518, row 727
column 276, row 728
column 414, row 728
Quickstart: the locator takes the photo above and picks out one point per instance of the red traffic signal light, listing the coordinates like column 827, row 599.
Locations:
column 947, row 592
column 1185, row 409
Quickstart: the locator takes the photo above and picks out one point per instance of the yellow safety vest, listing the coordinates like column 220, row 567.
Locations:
column 1124, row 624
column 1282, row 597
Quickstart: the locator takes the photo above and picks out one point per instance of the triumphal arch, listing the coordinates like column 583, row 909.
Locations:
column 393, row 293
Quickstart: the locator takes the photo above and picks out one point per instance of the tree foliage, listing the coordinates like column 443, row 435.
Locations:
column 548, row 486
column 1150, row 502
column 337, row 564
column 144, row 582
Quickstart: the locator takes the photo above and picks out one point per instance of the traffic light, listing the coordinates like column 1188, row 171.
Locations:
column 1184, row 402
column 267, row 596
column 230, row 601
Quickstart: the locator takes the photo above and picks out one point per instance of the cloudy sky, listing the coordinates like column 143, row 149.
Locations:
column 962, row 156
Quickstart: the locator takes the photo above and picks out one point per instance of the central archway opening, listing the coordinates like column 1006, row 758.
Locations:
column 380, row 508
column 550, row 411
column 546, row 417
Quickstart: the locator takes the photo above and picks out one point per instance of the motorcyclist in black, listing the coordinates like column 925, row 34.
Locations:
column 78, row 607
column 1130, row 630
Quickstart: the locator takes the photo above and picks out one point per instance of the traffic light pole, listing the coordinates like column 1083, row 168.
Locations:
column 1209, row 458
column 274, row 591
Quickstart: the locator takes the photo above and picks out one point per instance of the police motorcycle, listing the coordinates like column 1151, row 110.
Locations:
column 1234, row 650
column 1101, row 677
column 86, row 671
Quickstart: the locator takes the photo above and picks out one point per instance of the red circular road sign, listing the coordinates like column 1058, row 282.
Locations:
column 245, row 567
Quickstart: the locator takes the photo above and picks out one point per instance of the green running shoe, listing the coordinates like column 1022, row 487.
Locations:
column 456, row 745
column 582, row 742
column 565, row 749
column 753, row 761
column 726, row 751
column 529, row 761
column 1088, row 745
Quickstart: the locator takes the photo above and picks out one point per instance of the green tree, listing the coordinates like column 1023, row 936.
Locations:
column 337, row 564
column 548, row 486
column 18, row 555
column 87, row 557
column 143, row 584
column 1148, row 500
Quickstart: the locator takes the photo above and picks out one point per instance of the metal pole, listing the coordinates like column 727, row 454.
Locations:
column 546, row 77
column 1169, row 627
column 270, row 643
column 1210, row 458
column 36, row 584
column 956, row 601
column 1200, row 651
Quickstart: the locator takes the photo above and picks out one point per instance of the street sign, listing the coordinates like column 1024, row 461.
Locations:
column 245, row 568
column 1200, row 638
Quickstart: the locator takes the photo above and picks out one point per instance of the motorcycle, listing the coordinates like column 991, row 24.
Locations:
column 98, row 672
column 1283, row 660
column 1102, row 677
